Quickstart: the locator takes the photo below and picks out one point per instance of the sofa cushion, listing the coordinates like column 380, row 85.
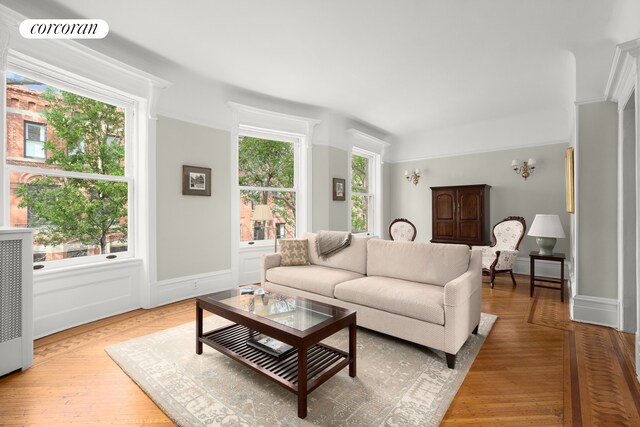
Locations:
column 352, row 258
column 312, row 278
column 294, row 252
column 417, row 300
column 432, row 263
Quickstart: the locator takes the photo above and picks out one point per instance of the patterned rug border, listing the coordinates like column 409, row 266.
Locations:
column 183, row 418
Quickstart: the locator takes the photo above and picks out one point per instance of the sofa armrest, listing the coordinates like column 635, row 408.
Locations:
column 268, row 261
column 460, row 289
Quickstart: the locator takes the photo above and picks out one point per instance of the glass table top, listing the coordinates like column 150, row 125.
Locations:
column 290, row 311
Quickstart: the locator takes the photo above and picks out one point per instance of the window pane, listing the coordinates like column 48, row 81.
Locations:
column 77, row 133
column 34, row 149
column 265, row 163
column 359, row 174
column 265, row 213
column 359, row 213
column 71, row 217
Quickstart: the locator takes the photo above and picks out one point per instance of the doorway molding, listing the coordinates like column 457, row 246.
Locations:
column 622, row 85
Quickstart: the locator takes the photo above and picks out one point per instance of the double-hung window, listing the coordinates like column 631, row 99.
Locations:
column 35, row 135
column 267, row 174
column 365, row 191
column 77, row 197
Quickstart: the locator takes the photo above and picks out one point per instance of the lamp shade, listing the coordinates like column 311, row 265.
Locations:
column 546, row 226
column 262, row 213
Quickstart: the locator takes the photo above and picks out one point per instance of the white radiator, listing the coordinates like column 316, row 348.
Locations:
column 16, row 300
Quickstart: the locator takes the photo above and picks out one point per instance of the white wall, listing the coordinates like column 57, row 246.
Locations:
column 328, row 163
column 596, row 199
column 193, row 235
column 542, row 192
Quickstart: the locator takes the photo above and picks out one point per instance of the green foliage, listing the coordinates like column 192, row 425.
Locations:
column 268, row 163
column 359, row 185
column 89, row 138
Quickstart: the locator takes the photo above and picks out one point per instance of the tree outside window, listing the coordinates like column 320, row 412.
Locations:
column 360, row 194
column 266, row 174
column 73, row 215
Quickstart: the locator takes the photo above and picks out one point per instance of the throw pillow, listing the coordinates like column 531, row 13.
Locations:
column 294, row 252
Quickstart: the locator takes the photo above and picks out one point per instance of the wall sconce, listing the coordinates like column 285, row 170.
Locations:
column 413, row 176
column 525, row 169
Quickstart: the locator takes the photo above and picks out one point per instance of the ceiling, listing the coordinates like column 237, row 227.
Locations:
column 403, row 66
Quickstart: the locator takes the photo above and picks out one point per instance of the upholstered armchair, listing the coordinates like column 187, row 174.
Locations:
column 402, row 229
column 501, row 255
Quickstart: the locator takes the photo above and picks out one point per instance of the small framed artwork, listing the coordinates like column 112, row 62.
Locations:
column 339, row 189
column 196, row 181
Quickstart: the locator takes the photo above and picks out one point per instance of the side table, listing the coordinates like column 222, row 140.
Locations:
column 557, row 257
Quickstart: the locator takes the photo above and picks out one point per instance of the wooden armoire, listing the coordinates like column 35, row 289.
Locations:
column 460, row 214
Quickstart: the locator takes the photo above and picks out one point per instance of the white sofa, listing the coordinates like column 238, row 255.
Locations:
column 426, row 293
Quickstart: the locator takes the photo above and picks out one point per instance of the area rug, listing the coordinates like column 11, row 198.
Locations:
column 397, row 383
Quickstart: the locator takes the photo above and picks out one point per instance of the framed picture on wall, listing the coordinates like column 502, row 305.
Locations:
column 339, row 189
column 568, row 169
column 196, row 181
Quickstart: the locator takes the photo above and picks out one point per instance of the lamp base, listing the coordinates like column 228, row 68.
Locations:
column 546, row 245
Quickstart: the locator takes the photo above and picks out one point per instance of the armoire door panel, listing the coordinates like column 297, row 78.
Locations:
column 445, row 206
column 469, row 230
column 470, row 206
column 446, row 230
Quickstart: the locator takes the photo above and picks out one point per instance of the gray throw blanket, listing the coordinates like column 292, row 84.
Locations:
column 331, row 242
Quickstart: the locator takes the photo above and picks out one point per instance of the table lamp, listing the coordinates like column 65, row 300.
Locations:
column 546, row 229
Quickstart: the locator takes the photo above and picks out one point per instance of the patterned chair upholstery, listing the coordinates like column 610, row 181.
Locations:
column 501, row 255
column 402, row 229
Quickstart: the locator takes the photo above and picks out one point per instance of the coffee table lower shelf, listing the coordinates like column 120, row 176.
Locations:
column 323, row 361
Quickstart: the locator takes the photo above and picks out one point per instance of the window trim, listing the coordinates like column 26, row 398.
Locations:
column 296, row 140
column 60, row 79
column 26, row 140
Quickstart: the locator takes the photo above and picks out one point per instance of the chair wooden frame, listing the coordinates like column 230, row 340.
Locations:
column 415, row 231
column 492, row 269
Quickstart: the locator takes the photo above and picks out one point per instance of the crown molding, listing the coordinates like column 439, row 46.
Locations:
column 247, row 109
column 481, row 151
column 623, row 71
column 369, row 138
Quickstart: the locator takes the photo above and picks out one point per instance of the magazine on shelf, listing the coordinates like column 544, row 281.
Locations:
column 269, row 345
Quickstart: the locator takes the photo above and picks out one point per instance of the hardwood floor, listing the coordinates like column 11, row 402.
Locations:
column 536, row 368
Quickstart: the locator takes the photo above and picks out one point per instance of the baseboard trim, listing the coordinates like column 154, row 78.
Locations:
column 595, row 310
column 180, row 288
column 543, row 268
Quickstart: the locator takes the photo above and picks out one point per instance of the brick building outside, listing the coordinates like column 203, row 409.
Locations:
column 27, row 131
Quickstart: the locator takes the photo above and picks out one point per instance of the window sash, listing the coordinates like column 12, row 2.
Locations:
column 368, row 191
column 98, row 93
column 295, row 141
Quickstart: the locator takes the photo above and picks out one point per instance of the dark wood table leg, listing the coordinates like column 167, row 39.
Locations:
column 198, row 329
column 302, row 382
column 561, row 280
column 532, row 272
column 352, row 349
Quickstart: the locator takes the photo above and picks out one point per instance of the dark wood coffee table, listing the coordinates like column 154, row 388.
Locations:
column 299, row 322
